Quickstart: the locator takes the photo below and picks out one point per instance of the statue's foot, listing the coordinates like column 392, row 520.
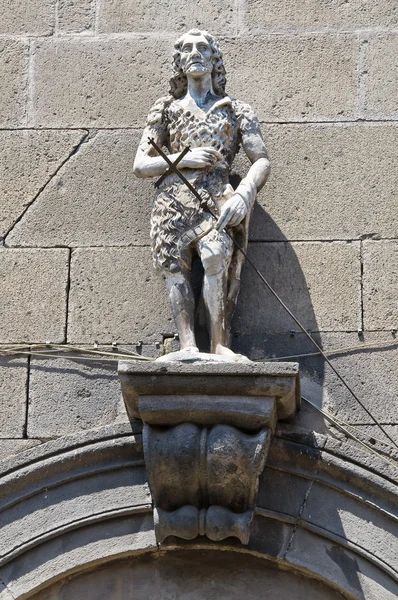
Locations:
column 192, row 355
column 221, row 350
column 189, row 354
column 224, row 351
column 190, row 349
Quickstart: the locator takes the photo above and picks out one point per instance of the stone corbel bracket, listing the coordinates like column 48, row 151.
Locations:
column 207, row 430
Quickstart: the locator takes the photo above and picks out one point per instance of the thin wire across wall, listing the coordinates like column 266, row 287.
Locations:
column 173, row 168
column 113, row 355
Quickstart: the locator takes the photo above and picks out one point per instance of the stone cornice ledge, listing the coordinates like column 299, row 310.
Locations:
column 206, row 435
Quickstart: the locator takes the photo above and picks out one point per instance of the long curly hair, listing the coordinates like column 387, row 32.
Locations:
column 178, row 83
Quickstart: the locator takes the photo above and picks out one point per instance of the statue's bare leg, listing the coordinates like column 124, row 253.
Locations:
column 183, row 308
column 215, row 253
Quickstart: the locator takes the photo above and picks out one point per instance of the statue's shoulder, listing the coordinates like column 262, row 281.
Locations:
column 242, row 109
column 157, row 111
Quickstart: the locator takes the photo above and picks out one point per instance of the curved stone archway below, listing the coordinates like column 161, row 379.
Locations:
column 77, row 522
column 189, row 575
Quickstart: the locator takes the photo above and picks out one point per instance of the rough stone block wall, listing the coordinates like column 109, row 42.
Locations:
column 77, row 79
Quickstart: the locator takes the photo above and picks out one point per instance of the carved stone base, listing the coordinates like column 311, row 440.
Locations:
column 207, row 430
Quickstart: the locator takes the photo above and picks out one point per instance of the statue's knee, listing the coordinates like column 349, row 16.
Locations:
column 174, row 278
column 214, row 262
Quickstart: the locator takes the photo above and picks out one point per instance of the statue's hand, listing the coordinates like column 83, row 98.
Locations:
column 200, row 158
column 232, row 213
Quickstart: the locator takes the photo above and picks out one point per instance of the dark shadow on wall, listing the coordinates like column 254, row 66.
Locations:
column 263, row 330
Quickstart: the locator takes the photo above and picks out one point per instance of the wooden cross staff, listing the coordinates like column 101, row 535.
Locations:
column 173, row 169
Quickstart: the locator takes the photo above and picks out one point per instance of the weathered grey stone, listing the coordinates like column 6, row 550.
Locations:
column 375, row 438
column 382, row 77
column 83, row 455
column 299, row 77
column 300, row 459
column 351, row 519
column 66, row 396
column 81, row 546
column 15, row 446
column 113, row 81
column 5, row 593
column 146, row 350
column 269, row 345
column 328, row 182
column 76, row 16
column 310, row 427
column 356, row 199
column 147, row 381
column 177, row 15
column 349, row 571
column 28, row 160
column 108, row 491
column 13, row 82
column 130, row 432
column 94, row 200
column 281, row 492
column 304, row 275
column 192, row 355
column 34, row 17
column 270, row 537
column 33, row 295
column 115, row 295
column 369, row 366
column 207, row 574
column 103, row 536
column 244, row 412
column 288, row 15
column 346, row 468
column 13, row 396
column 45, row 495
column 171, row 344
column 359, row 477
column 343, row 451
column 380, row 272
column 203, row 455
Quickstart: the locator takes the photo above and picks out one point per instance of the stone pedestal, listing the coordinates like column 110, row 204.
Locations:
column 207, row 430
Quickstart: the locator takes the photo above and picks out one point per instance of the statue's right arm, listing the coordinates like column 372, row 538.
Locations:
column 148, row 163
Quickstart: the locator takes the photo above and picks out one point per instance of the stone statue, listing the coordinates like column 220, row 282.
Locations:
column 199, row 114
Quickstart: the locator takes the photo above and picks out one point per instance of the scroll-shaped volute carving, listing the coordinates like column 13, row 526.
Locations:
column 207, row 431
column 204, row 466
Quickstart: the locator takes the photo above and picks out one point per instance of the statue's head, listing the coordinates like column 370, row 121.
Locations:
column 178, row 83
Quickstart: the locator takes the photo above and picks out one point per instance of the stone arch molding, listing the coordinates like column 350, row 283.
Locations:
column 76, row 503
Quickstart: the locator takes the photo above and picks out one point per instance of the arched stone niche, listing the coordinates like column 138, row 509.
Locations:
column 76, row 513
column 189, row 575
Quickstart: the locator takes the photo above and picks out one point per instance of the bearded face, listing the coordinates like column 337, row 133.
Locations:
column 196, row 57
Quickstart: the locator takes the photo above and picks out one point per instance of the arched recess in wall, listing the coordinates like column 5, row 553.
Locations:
column 75, row 506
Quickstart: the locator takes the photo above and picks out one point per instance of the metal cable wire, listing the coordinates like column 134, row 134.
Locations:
column 341, row 427
column 274, row 293
column 50, row 350
column 335, row 351
column 325, row 357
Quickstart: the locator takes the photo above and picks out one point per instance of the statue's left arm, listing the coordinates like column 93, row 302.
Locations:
column 236, row 208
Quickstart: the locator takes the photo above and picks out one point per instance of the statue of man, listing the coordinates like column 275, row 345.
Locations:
column 199, row 114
